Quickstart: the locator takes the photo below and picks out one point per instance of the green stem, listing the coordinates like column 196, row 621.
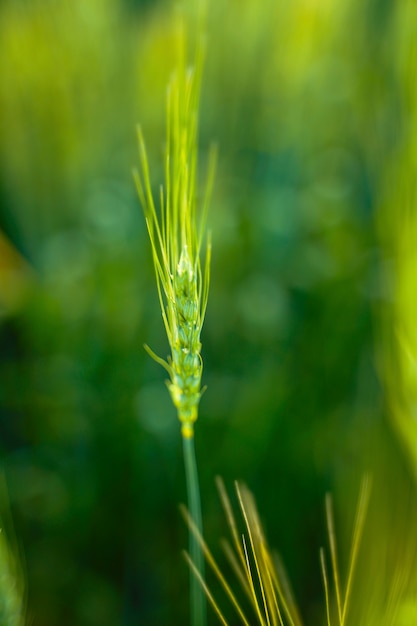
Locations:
column 197, row 597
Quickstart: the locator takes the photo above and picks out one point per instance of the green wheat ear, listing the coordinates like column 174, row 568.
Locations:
column 176, row 234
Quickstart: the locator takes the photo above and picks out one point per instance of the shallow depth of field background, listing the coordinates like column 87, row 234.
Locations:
column 308, row 102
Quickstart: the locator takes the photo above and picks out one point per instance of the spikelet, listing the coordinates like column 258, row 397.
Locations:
column 176, row 235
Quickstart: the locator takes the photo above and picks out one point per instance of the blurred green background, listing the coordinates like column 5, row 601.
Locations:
column 306, row 101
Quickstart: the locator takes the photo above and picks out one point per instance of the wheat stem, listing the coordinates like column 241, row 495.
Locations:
column 198, row 599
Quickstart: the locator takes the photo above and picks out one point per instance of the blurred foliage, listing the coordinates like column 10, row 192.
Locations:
column 312, row 105
column 398, row 228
